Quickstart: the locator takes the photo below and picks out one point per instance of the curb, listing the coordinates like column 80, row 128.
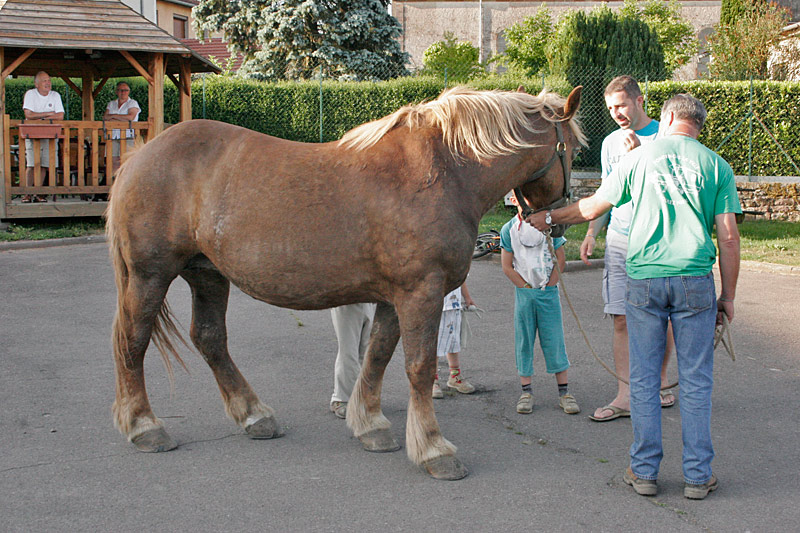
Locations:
column 755, row 266
column 49, row 243
column 572, row 266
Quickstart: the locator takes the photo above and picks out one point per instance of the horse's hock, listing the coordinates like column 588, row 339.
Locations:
column 773, row 200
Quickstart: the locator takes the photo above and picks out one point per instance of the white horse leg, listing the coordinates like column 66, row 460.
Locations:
column 419, row 323
column 140, row 300
column 364, row 415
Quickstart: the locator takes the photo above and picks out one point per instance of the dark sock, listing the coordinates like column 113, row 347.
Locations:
column 527, row 388
column 563, row 389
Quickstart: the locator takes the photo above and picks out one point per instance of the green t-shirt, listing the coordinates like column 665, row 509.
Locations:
column 676, row 187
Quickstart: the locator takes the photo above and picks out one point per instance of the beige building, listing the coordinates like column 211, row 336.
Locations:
column 483, row 23
column 175, row 17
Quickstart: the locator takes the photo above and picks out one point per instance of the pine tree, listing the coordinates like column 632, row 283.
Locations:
column 295, row 39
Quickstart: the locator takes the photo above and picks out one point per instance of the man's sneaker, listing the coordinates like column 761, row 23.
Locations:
column 437, row 390
column 461, row 385
column 339, row 409
column 643, row 487
column 525, row 403
column 569, row 404
column 699, row 492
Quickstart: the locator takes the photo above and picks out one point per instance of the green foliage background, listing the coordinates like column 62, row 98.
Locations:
column 291, row 110
column 452, row 59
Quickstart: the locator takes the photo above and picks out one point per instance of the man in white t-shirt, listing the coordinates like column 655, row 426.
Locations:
column 625, row 104
column 124, row 108
column 41, row 102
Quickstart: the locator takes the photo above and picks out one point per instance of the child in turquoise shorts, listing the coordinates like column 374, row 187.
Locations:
column 528, row 263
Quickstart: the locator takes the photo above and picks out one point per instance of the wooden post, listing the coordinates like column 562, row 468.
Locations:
column 185, row 90
column 156, row 95
column 86, row 95
column 6, row 195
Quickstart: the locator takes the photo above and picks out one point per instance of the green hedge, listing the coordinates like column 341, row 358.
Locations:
column 291, row 110
column 728, row 102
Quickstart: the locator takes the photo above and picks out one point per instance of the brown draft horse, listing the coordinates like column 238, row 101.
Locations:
column 390, row 212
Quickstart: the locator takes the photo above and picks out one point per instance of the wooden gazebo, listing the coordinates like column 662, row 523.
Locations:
column 90, row 40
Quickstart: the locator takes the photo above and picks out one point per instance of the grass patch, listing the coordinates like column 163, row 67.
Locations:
column 771, row 241
column 765, row 241
column 38, row 230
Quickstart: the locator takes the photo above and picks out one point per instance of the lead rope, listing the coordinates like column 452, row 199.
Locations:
column 722, row 332
column 577, row 320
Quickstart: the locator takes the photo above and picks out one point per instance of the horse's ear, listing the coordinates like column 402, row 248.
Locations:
column 521, row 89
column 573, row 102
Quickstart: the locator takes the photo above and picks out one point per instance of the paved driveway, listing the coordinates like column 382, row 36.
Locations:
column 64, row 467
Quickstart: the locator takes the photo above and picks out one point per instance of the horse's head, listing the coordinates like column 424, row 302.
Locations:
column 548, row 186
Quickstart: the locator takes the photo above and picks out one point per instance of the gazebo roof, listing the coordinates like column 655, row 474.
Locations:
column 71, row 35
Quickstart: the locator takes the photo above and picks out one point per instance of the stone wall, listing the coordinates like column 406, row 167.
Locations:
column 775, row 201
column 483, row 23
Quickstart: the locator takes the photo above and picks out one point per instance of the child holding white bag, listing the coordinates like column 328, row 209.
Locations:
column 449, row 343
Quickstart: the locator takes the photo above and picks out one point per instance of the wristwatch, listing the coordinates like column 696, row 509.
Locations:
column 548, row 219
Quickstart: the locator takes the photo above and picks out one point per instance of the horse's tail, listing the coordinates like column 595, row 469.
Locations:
column 164, row 327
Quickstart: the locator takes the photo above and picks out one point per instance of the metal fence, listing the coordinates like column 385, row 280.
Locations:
column 749, row 132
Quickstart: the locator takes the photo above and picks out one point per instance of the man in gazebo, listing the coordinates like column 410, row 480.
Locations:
column 41, row 102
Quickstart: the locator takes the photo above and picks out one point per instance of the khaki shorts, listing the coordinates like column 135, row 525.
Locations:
column 45, row 153
column 615, row 274
column 449, row 333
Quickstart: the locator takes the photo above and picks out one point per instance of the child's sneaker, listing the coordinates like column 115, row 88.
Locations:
column 437, row 390
column 461, row 385
column 525, row 403
column 569, row 404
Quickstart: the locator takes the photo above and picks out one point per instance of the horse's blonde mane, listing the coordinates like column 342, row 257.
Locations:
column 485, row 124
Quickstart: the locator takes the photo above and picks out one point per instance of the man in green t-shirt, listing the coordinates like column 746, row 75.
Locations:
column 679, row 190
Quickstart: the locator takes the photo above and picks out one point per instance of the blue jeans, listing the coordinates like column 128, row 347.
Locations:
column 689, row 302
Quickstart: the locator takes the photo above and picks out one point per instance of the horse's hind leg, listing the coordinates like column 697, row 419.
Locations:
column 209, row 334
column 141, row 300
column 419, row 315
column 364, row 414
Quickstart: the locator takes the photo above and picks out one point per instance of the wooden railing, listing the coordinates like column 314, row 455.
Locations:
column 85, row 159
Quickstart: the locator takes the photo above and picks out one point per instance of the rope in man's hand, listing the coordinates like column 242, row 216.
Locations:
column 721, row 334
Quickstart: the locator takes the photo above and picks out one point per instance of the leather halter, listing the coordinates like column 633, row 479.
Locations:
column 561, row 153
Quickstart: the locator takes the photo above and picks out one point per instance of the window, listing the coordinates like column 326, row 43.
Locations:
column 180, row 27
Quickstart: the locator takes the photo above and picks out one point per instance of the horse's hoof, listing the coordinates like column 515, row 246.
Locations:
column 154, row 440
column 265, row 427
column 379, row 441
column 446, row 467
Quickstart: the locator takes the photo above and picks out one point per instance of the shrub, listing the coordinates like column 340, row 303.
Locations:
column 455, row 60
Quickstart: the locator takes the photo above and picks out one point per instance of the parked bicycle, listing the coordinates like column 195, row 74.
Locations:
column 487, row 243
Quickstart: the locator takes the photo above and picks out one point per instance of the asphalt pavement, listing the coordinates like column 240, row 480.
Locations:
column 64, row 467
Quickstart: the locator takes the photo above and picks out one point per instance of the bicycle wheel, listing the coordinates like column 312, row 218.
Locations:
column 486, row 243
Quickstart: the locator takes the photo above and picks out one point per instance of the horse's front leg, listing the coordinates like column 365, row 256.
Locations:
column 364, row 415
column 419, row 316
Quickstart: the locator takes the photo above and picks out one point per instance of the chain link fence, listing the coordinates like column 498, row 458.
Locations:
column 748, row 129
